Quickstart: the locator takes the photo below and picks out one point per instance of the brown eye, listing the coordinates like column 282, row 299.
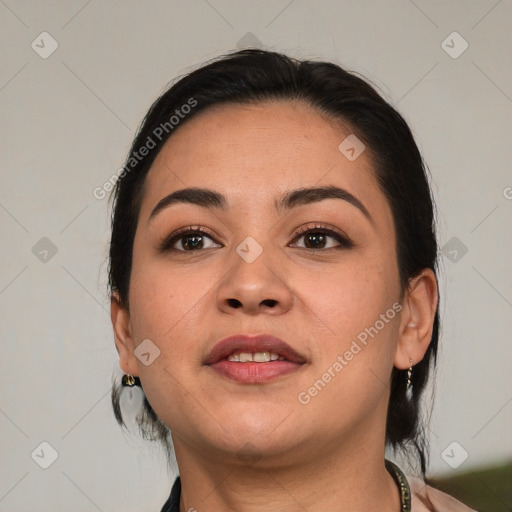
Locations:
column 188, row 240
column 317, row 238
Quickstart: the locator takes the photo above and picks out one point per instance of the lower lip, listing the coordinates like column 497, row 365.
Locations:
column 253, row 373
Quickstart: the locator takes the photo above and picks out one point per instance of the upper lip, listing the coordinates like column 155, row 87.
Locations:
column 252, row 344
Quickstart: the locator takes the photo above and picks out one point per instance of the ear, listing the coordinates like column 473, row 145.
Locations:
column 417, row 319
column 121, row 323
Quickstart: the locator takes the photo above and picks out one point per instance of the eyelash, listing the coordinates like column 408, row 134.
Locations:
column 343, row 240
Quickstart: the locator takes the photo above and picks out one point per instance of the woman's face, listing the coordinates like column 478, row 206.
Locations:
column 334, row 301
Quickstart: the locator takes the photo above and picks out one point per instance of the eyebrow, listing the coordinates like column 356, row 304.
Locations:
column 207, row 198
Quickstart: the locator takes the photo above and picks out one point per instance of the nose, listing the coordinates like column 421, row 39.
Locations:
column 255, row 287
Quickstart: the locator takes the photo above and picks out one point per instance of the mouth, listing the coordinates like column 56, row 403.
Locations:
column 254, row 359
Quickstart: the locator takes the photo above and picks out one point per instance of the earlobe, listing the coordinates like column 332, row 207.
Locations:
column 417, row 319
column 121, row 324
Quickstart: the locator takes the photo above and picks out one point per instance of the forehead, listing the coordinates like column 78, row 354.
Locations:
column 255, row 153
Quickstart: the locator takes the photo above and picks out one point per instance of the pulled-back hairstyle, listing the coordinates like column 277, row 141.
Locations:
column 256, row 76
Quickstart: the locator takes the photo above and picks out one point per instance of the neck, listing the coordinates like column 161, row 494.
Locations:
column 348, row 476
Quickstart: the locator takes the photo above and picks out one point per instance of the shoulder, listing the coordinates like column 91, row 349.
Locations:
column 173, row 502
column 425, row 498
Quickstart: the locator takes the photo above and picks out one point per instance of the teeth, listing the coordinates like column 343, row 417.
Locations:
column 245, row 357
column 261, row 357
column 257, row 357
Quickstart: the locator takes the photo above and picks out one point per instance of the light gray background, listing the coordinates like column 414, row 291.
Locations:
column 67, row 122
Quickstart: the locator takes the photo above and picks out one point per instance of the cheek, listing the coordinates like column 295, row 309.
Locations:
column 168, row 309
column 168, row 305
column 166, row 297
column 357, row 308
column 350, row 298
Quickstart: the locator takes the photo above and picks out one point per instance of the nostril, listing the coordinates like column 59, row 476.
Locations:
column 234, row 303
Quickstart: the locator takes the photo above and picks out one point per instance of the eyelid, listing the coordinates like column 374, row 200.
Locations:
column 317, row 225
column 194, row 229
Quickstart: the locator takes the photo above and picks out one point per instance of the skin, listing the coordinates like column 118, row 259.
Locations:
column 245, row 447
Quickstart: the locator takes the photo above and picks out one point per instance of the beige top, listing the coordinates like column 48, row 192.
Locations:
column 427, row 499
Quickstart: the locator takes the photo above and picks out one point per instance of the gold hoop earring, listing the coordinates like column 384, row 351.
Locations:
column 130, row 381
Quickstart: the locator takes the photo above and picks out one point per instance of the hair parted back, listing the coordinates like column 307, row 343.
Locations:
column 256, row 76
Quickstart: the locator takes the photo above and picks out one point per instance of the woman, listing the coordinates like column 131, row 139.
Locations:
column 274, row 291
